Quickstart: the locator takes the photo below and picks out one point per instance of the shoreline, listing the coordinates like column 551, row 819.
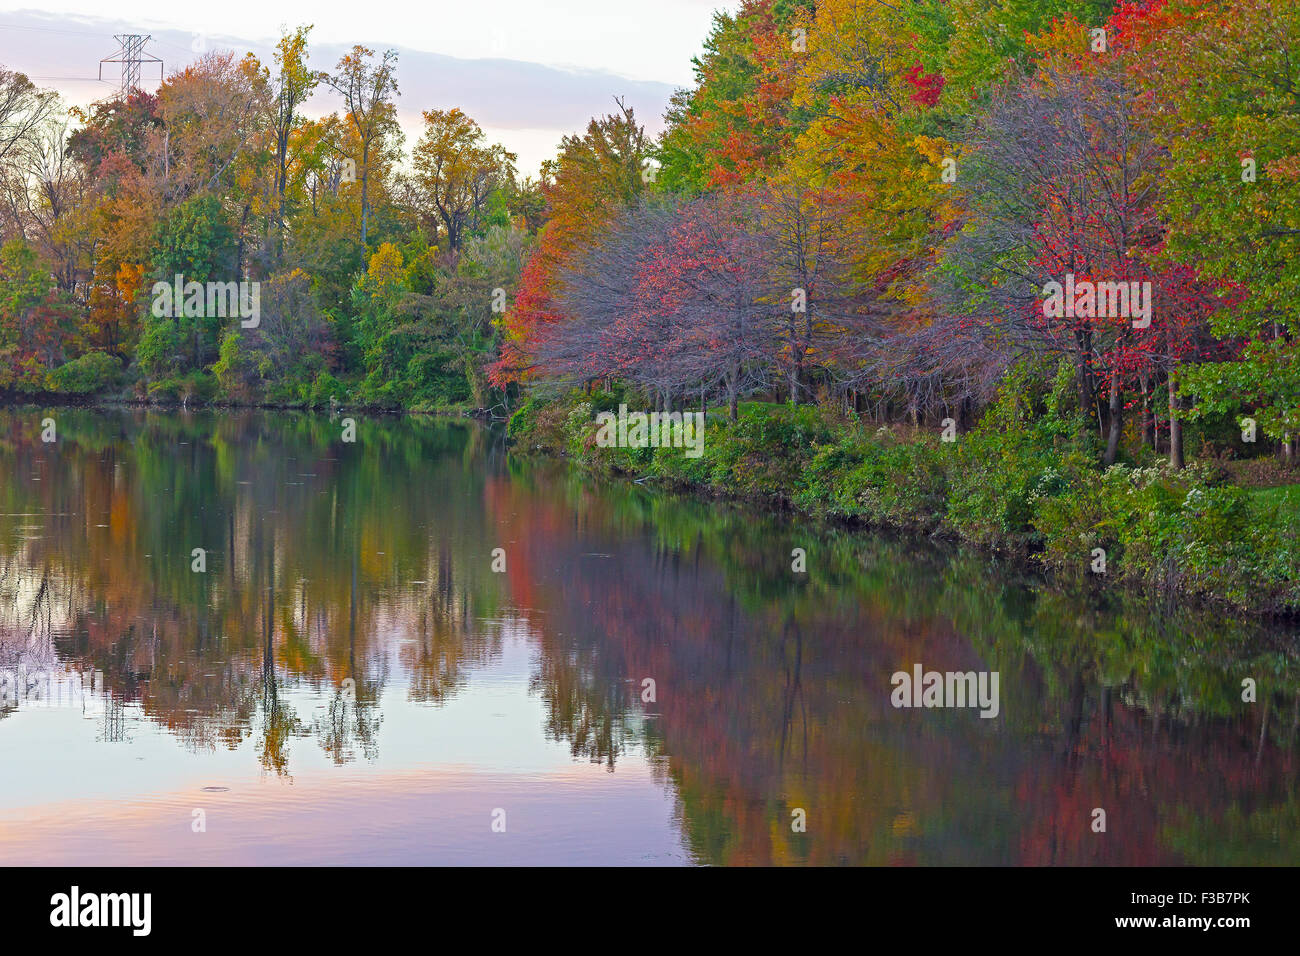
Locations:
column 58, row 400
column 1024, row 562
column 781, row 497
column 778, row 500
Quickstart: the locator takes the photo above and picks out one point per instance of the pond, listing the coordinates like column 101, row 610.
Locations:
column 238, row 638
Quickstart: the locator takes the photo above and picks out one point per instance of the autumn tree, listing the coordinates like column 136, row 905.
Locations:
column 707, row 283
column 367, row 87
column 34, row 319
column 116, row 126
column 294, row 83
column 214, row 113
column 456, row 171
column 594, row 176
column 740, row 116
column 1061, row 181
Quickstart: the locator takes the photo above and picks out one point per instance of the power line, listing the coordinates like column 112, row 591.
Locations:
column 176, row 46
column 71, row 33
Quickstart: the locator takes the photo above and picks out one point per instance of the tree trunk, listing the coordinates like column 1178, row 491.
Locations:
column 1175, row 426
column 1085, row 389
column 733, row 393
column 1116, row 415
column 1148, row 415
column 365, row 192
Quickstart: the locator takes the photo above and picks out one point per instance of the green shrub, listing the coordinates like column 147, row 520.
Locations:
column 1019, row 454
column 92, row 372
column 537, row 425
column 767, row 451
column 877, row 479
column 325, row 387
column 196, row 387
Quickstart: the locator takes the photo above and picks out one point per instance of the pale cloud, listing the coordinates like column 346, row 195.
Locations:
column 528, row 72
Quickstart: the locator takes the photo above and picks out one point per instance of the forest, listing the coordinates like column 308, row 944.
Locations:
column 375, row 268
column 840, row 247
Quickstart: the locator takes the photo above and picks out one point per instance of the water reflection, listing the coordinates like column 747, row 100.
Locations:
column 348, row 653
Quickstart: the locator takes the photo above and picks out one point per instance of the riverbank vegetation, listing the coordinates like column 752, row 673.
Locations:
column 1022, row 272
column 1025, row 481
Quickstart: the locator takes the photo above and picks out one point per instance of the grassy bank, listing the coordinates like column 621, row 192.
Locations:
column 1024, row 480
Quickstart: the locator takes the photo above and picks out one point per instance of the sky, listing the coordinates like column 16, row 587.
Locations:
column 529, row 72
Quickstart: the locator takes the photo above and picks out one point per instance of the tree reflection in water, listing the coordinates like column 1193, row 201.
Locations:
column 341, row 573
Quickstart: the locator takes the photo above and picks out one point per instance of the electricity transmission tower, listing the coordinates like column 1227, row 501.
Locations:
column 131, row 56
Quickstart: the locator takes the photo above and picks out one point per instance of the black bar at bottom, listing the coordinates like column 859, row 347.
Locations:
column 222, row 906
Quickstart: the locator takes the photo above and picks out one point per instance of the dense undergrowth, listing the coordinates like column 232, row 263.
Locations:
column 1026, row 479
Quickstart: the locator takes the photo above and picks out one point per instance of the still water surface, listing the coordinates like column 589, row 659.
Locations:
column 348, row 681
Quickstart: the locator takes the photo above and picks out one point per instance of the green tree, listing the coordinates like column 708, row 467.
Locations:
column 196, row 243
column 1232, row 196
